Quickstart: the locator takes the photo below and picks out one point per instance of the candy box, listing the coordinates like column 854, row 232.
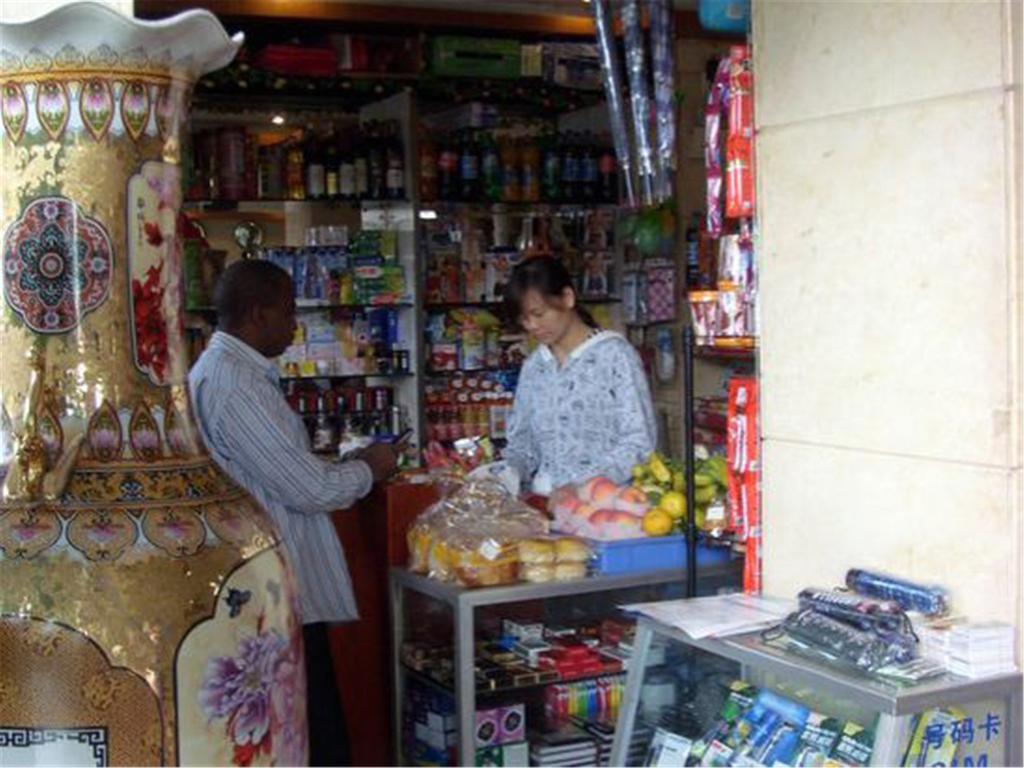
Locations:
column 488, row 727
column 513, row 723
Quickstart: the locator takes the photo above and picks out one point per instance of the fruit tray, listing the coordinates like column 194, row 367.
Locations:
column 649, row 554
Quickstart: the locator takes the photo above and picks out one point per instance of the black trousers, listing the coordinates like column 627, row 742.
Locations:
column 328, row 734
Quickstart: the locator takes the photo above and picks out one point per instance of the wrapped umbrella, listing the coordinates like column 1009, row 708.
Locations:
column 613, row 90
column 639, row 97
column 664, row 97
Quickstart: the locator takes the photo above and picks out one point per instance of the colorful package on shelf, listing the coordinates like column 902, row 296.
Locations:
column 743, row 474
column 741, row 98
column 498, row 265
column 596, row 278
column 661, row 291
column 715, row 111
column 739, row 178
column 588, row 700
column 471, row 535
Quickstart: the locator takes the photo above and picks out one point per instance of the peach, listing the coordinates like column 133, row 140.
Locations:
column 632, row 500
column 585, row 492
column 604, row 492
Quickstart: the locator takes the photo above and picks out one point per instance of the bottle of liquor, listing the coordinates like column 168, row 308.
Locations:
column 529, row 157
column 294, row 171
column 551, row 170
column 490, row 169
column 331, row 165
column 376, row 164
column 608, row 176
column 361, row 166
column 395, row 159
column 347, row 169
column 587, row 184
column 447, row 169
column 570, row 169
column 469, row 169
column 323, row 432
column 511, row 190
column 428, row 169
column 316, row 185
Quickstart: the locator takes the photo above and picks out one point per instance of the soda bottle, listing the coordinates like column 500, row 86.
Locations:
column 469, row 169
column 428, row 169
column 608, row 176
column 570, row 169
column 551, row 170
column 395, row 177
column 447, row 170
column 587, row 184
column 530, row 164
column 510, row 188
column 490, row 169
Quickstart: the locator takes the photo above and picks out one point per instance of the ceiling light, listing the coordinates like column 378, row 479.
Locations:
column 428, row 215
column 277, row 119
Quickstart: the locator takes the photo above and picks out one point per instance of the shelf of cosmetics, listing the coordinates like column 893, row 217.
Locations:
column 365, row 271
column 363, row 343
column 334, row 414
column 334, row 162
column 474, row 165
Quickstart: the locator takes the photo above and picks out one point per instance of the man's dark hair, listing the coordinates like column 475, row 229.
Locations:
column 249, row 283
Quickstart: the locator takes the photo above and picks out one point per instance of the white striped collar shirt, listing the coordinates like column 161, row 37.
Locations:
column 261, row 443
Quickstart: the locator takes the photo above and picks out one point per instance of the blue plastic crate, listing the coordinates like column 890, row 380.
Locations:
column 650, row 554
column 725, row 15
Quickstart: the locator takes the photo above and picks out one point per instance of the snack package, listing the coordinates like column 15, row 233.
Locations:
column 471, row 535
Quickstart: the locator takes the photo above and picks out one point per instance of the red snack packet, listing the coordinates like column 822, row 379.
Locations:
column 739, row 178
column 741, row 93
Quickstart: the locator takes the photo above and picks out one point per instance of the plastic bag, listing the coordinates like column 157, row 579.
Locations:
column 471, row 535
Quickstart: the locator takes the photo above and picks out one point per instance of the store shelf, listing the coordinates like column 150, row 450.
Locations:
column 521, row 207
column 214, row 207
column 320, row 307
column 444, row 306
column 471, row 371
column 455, row 595
column 347, row 376
column 447, row 688
column 898, row 700
column 708, row 352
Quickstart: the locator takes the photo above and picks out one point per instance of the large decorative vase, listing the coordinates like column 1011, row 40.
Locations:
column 147, row 613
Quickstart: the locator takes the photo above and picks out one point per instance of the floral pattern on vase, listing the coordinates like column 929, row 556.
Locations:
column 57, row 264
column 102, row 534
column 96, row 104
column 14, row 109
column 144, row 434
column 104, row 436
column 135, row 108
column 53, row 107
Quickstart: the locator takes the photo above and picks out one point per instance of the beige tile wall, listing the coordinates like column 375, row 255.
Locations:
column 889, row 151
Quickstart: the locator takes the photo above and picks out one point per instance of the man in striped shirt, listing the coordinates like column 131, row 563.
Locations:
column 256, row 438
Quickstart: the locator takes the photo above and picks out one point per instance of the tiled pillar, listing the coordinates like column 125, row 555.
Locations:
column 889, row 171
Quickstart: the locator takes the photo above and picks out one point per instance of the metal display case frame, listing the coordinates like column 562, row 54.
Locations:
column 464, row 602
column 894, row 705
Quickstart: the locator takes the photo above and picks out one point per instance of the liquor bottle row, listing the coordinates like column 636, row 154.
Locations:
column 233, row 163
column 477, row 166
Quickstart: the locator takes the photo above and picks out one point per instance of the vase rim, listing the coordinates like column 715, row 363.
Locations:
column 193, row 41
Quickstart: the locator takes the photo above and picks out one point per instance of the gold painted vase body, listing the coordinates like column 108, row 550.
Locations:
column 147, row 612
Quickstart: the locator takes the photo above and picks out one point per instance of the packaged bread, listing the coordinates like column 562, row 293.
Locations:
column 537, row 551
column 537, row 571
column 569, row 571
column 571, row 550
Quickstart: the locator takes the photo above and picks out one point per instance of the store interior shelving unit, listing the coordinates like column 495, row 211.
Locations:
column 886, row 708
column 461, row 611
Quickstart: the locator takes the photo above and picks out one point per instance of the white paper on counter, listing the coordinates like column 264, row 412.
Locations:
column 717, row 616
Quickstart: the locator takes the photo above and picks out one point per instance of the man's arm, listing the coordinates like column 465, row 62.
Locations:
column 255, row 434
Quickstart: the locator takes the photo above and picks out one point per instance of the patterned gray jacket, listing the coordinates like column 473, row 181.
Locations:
column 592, row 416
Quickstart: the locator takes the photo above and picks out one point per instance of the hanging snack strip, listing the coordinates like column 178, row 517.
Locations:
column 714, row 113
column 639, row 97
column 664, row 96
column 743, row 475
column 739, row 145
column 613, row 90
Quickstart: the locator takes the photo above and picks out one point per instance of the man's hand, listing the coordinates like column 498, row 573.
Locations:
column 381, row 459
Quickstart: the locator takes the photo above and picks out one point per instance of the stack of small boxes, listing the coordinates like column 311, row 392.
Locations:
column 500, row 736
column 430, row 727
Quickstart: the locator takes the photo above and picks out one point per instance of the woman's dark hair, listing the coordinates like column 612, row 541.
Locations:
column 546, row 275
